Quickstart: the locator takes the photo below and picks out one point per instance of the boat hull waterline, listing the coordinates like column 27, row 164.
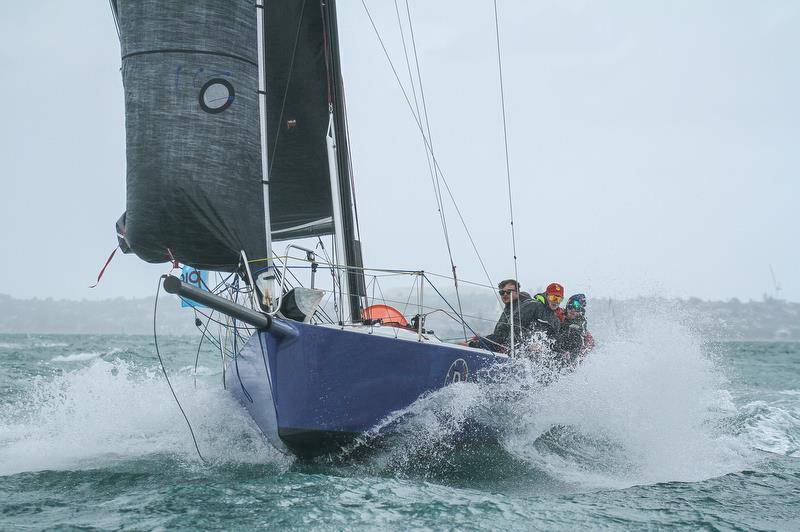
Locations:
column 313, row 392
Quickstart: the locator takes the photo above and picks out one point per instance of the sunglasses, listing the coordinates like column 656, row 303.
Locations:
column 575, row 305
column 505, row 292
column 554, row 299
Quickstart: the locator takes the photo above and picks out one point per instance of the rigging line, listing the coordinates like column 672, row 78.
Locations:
column 416, row 101
column 430, row 307
column 321, row 244
column 164, row 369
column 481, row 339
column 437, row 186
column 364, row 312
column 111, row 4
column 286, row 89
column 433, row 157
column 437, row 189
column 505, row 139
column 479, row 285
column 239, row 377
column 410, row 293
column 210, row 318
column 289, row 270
column 216, row 344
column 199, row 345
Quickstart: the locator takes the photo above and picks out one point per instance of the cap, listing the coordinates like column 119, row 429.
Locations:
column 555, row 289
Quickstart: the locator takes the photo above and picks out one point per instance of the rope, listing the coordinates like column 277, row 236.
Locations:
column 422, row 132
column 164, row 370
column 434, row 181
column 471, row 330
column 199, row 346
column 103, row 270
column 437, row 186
column 505, row 139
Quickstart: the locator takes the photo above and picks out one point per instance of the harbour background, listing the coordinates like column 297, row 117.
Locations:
column 766, row 319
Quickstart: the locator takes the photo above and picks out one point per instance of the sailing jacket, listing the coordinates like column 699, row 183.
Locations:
column 574, row 341
column 525, row 313
column 546, row 319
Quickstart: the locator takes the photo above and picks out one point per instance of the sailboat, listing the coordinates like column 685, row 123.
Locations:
column 237, row 139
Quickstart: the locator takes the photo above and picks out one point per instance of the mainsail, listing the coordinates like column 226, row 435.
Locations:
column 195, row 185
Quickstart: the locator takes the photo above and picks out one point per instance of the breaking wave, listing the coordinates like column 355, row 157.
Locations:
column 51, row 344
column 10, row 345
column 113, row 410
column 772, row 427
column 85, row 356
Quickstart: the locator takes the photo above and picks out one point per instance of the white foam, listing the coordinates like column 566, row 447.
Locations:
column 773, row 427
column 77, row 357
column 10, row 345
column 201, row 371
column 111, row 410
column 84, row 356
column 651, row 402
column 644, row 408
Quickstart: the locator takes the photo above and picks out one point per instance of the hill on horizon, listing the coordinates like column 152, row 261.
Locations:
column 770, row 319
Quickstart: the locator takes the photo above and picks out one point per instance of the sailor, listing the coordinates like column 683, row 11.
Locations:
column 525, row 313
column 574, row 341
column 547, row 320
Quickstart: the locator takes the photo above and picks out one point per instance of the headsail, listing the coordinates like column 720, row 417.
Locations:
column 193, row 157
column 194, row 174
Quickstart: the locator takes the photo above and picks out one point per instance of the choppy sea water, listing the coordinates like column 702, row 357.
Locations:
column 655, row 430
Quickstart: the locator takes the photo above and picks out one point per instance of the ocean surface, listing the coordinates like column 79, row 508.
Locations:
column 656, row 430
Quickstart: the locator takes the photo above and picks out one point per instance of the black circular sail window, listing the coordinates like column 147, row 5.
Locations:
column 216, row 95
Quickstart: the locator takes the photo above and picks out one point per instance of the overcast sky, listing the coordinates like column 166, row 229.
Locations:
column 653, row 145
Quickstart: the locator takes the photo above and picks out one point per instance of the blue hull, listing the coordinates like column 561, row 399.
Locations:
column 317, row 390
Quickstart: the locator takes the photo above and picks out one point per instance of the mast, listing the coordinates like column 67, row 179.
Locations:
column 346, row 227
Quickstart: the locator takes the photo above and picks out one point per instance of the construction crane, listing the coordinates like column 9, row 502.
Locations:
column 775, row 283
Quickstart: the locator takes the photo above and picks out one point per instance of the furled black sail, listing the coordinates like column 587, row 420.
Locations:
column 297, row 119
column 194, row 190
column 194, row 173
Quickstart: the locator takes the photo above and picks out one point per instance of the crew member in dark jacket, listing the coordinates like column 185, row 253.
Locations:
column 574, row 341
column 526, row 311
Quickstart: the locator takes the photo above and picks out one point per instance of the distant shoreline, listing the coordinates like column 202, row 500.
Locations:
column 769, row 320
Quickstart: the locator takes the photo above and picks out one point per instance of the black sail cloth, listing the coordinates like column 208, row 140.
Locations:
column 194, row 173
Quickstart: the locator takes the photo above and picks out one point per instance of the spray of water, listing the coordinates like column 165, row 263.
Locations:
column 640, row 410
column 647, row 406
column 112, row 410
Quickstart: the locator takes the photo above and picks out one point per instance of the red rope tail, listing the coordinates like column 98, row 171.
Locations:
column 175, row 263
column 100, row 275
